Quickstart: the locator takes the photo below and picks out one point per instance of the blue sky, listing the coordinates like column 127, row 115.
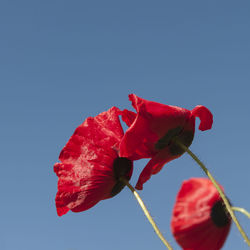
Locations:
column 62, row 61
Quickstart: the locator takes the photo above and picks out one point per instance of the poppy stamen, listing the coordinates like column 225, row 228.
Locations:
column 122, row 166
column 219, row 214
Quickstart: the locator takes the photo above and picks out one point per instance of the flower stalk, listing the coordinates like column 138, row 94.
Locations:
column 242, row 210
column 221, row 193
column 147, row 214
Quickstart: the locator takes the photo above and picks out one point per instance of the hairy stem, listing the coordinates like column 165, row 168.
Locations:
column 147, row 214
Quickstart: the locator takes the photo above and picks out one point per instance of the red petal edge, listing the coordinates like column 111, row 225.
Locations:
column 128, row 117
column 136, row 101
column 205, row 116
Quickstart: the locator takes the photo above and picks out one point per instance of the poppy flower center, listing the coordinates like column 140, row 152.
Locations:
column 122, row 167
column 219, row 214
column 185, row 137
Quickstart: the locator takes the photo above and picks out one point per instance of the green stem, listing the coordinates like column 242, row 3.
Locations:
column 242, row 210
column 222, row 195
column 146, row 212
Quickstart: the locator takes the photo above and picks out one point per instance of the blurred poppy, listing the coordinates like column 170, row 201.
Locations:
column 90, row 166
column 152, row 129
column 200, row 220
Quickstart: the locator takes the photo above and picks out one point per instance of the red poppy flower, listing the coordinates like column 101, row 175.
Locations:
column 152, row 129
column 90, row 165
column 200, row 220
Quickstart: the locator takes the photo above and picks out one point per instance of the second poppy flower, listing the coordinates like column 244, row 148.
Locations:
column 200, row 220
column 152, row 130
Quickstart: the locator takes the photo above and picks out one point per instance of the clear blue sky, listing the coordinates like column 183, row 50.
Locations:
column 62, row 61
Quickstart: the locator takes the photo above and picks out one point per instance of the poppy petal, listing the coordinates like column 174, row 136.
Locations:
column 134, row 144
column 205, row 116
column 136, row 101
column 153, row 121
column 86, row 173
column 79, row 190
column 128, row 117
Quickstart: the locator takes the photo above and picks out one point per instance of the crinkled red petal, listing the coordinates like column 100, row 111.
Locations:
column 86, row 169
column 128, row 117
column 205, row 116
column 160, row 118
column 153, row 121
column 191, row 223
column 136, row 143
